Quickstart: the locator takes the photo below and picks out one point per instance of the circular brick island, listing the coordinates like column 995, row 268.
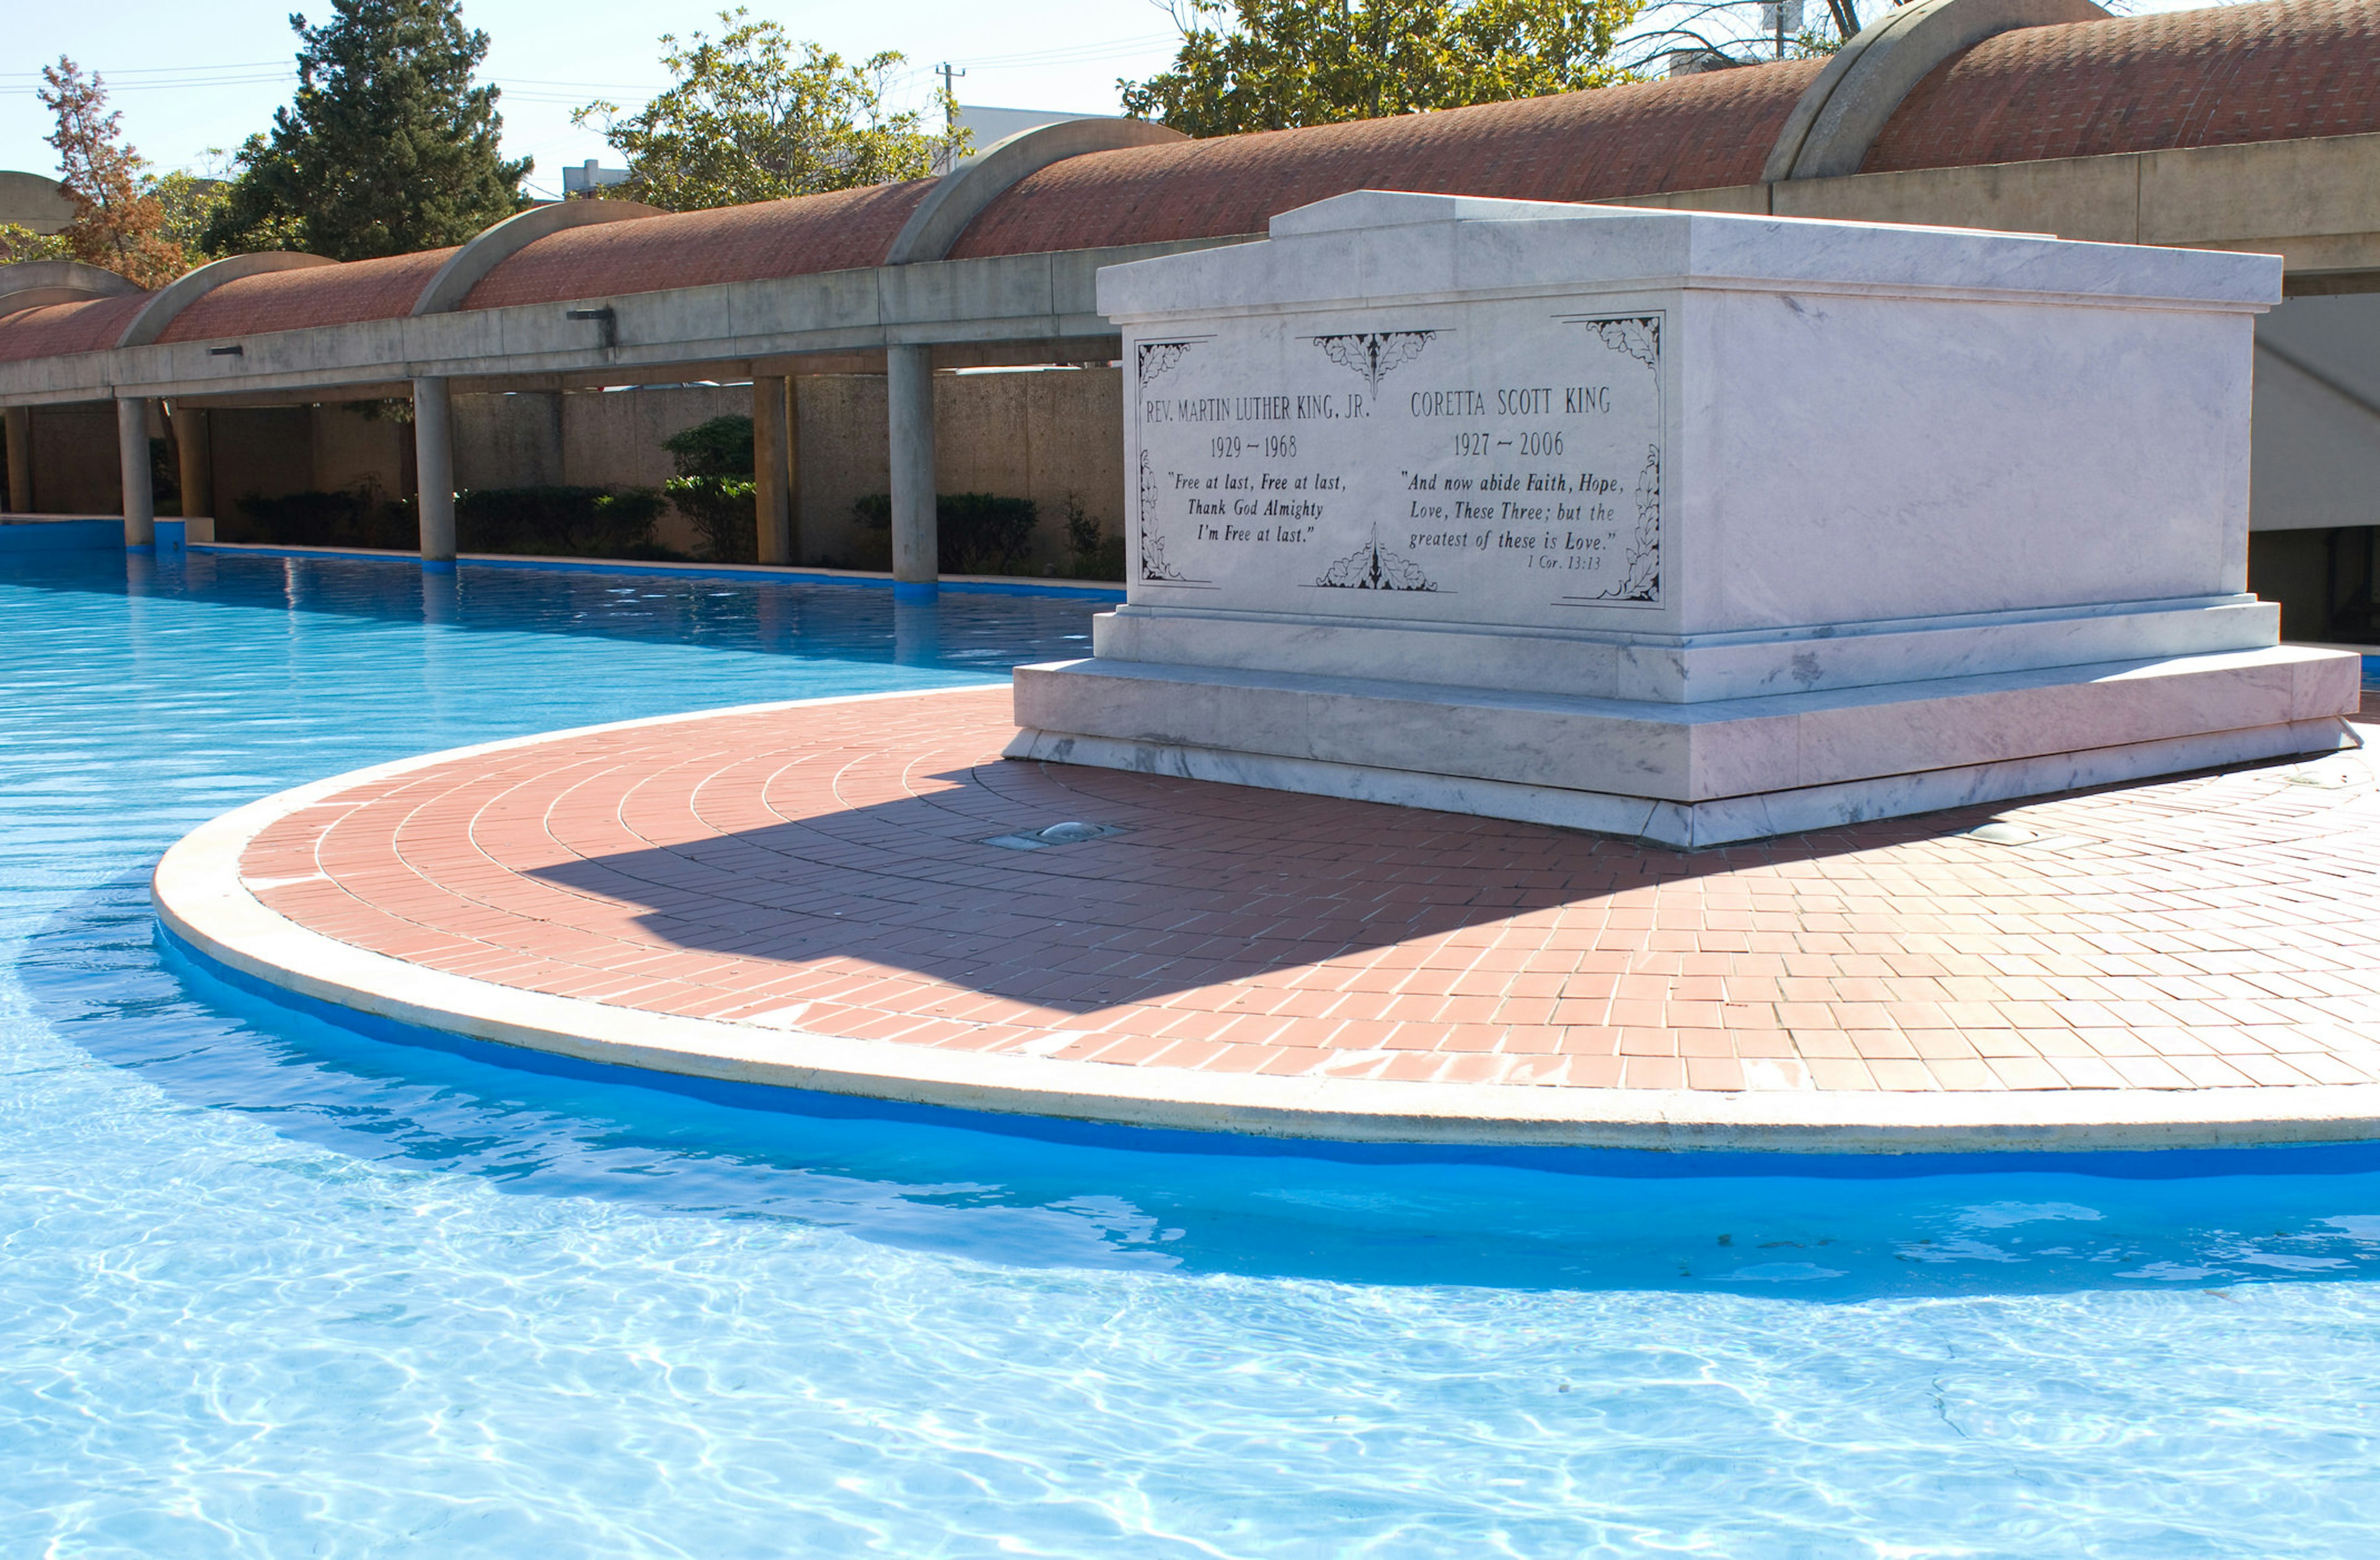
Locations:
column 858, row 896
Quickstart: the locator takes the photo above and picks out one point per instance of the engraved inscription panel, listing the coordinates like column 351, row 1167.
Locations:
column 1491, row 463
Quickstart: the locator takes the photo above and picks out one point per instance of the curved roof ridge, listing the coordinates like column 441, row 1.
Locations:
column 1689, row 132
column 341, row 294
column 55, row 330
column 835, row 230
column 2280, row 70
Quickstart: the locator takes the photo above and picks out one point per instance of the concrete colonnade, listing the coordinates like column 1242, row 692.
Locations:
column 433, row 459
column 132, row 455
column 909, row 412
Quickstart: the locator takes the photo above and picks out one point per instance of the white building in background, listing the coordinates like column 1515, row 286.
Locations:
column 986, row 126
column 582, row 181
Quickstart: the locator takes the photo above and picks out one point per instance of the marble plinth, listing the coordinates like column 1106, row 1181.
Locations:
column 1683, row 525
column 1688, row 775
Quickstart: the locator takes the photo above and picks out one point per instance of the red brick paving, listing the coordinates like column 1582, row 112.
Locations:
column 821, row 868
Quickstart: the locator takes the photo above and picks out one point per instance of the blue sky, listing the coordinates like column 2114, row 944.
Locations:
column 190, row 77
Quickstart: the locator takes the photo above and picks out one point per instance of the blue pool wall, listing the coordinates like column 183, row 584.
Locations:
column 2301, row 1159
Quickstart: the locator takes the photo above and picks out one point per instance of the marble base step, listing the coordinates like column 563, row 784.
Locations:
column 1694, row 775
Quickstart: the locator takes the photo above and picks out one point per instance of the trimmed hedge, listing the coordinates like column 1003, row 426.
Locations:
column 974, row 533
column 315, row 518
column 587, row 522
column 550, row 522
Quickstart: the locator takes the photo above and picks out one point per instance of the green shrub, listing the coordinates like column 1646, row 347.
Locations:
column 1094, row 554
column 591, row 522
column 316, row 518
column 720, row 448
column 976, row 533
column 721, row 511
column 715, row 486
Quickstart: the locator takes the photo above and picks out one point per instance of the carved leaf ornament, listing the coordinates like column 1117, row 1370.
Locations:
column 1640, row 339
column 1374, row 567
column 1157, row 358
column 1374, row 355
column 1153, row 565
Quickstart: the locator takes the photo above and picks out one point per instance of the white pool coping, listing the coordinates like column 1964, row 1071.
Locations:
column 205, row 905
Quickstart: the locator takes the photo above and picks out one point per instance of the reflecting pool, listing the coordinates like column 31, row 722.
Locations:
column 272, row 1288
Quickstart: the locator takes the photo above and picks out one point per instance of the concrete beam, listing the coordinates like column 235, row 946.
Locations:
column 193, row 285
column 960, row 196
column 32, row 284
column 500, row 241
column 132, row 460
column 1001, row 306
column 1841, row 114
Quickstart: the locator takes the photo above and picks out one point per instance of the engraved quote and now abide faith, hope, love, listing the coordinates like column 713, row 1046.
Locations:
column 1503, row 457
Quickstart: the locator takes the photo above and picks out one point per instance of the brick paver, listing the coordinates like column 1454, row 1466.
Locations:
column 823, row 867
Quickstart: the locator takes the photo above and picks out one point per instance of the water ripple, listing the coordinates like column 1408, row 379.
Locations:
column 275, row 1289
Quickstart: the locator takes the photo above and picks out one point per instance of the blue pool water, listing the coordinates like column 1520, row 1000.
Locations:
column 269, row 1288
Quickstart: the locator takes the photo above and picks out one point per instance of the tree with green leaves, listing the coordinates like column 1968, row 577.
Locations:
column 190, row 203
column 748, row 119
column 18, row 243
column 387, row 148
column 1270, row 65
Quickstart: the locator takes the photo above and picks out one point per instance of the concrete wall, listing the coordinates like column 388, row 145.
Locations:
column 354, row 451
column 2317, row 419
column 843, row 451
column 260, row 452
column 74, row 460
column 508, row 441
column 613, row 438
column 1038, row 436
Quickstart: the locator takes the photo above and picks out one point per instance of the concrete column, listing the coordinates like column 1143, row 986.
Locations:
column 433, row 456
column 772, row 502
column 195, row 455
column 909, row 410
column 793, row 469
column 19, row 421
column 133, row 459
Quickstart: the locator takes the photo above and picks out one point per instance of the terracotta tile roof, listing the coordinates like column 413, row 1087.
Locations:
column 2214, row 78
column 2281, row 71
column 1694, row 132
column 326, row 295
column 838, row 231
column 56, row 329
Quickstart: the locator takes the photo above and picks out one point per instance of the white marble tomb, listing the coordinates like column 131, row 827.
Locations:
column 1679, row 525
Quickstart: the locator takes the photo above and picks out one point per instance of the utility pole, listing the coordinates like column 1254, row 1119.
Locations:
column 949, row 95
column 947, row 157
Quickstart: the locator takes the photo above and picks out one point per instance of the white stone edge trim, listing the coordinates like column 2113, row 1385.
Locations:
column 1699, row 825
column 204, row 904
